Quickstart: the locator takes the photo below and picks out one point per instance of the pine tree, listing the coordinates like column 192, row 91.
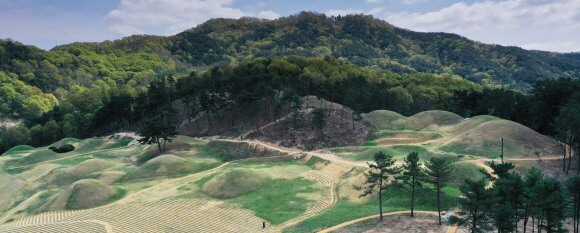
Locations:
column 378, row 176
column 412, row 175
column 475, row 206
column 438, row 173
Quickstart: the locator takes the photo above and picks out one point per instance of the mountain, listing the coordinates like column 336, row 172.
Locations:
column 370, row 42
column 358, row 39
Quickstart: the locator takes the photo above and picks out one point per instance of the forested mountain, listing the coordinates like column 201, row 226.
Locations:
column 369, row 42
column 355, row 60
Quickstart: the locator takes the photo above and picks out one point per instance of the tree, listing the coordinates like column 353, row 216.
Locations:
column 377, row 178
column 568, row 127
column 509, row 188
column 14, row 136
column 533, row 176
column 573, row 187
column 438, row 173
column 475, row 206
column 548, row 194
column 319, row 120
column 412, row 175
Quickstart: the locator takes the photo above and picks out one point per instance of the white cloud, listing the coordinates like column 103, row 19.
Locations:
column 514, row 22
column 569, row 46
column 374, row 1
column 268, row 15
column 173, row 16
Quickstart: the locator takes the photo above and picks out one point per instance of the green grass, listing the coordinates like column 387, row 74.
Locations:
column 37, row 156
column 279, row 200
column 314, row 160
column 464, row 170
column 72, row 161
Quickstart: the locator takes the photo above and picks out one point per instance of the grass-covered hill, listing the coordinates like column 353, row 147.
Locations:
column 436, row 132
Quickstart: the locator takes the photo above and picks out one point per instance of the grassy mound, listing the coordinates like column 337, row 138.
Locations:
column 436, row 117
column 81, row 171
column 37, row 156
column 18, row 149
column 519, row 141
column 84, row 194
column 171, row 165
column 384, row 119
column 234, row 183
column 469, row 124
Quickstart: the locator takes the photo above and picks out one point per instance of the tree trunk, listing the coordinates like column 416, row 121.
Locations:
column 164, row 149
column 381, row 200
column 438, row 202
column 569, row 158
column 412, row 196
column 565, row 152
column 159, row 145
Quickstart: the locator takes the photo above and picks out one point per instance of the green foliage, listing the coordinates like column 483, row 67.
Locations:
column 63, row 149
column 475, row 206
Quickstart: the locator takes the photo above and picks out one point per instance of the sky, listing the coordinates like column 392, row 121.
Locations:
column 550, row 25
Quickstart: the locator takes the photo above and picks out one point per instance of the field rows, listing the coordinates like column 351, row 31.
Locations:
column 186, row 215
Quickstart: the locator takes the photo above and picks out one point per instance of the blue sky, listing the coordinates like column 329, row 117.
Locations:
column 552, row 25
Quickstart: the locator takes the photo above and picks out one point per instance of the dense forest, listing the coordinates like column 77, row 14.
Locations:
column 247, row 66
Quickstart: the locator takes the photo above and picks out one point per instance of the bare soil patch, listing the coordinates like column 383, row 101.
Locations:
column 421, row 223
